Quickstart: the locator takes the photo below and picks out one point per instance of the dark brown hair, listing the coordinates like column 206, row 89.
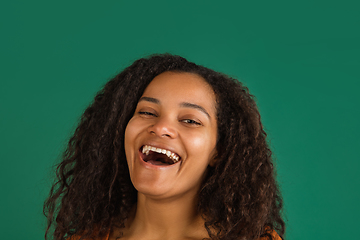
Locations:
column 239, row 198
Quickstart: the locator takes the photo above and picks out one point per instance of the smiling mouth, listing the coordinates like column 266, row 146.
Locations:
column 159, row 156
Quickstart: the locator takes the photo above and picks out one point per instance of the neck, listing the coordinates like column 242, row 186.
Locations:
column 166, row 219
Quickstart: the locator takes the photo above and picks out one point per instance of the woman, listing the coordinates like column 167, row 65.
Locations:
column 167, row 150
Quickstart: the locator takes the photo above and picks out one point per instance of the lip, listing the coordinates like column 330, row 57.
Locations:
column 157, row 145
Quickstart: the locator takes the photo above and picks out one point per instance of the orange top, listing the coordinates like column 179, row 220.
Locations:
column 273, row 233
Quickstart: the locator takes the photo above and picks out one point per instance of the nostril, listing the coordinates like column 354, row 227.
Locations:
column 162, row 129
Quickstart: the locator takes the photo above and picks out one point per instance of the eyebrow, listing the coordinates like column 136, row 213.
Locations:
column 150, row 99
column 195, row 106
column 183, row 104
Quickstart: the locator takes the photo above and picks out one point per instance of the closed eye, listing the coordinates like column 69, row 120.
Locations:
column 147, row 113
column 191, row 122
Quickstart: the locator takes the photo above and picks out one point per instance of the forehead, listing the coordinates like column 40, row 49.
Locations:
column 180, row 82
column 186, row 87
column 183, row 82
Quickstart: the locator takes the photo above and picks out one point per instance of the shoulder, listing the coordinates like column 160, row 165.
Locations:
column 274, row 235
column 78, row 237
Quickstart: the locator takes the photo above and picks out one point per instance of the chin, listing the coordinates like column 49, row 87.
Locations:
column 153, row 191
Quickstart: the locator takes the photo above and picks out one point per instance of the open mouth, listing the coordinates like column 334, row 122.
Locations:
column 159, row 156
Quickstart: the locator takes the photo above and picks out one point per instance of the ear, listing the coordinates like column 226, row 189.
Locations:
column 213, row 160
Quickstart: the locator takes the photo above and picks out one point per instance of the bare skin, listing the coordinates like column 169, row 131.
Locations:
column 177, row 112
column 156, row 220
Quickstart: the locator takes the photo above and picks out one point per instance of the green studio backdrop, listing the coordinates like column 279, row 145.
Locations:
column 299, row 58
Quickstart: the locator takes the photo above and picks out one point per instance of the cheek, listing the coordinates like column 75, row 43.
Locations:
column 129, row 137
column 202, row 144
column 131, row 130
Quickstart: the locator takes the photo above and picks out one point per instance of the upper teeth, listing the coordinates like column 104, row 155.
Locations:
column 146, row 149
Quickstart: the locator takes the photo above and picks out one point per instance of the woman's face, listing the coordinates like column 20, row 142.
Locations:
column 170, row 140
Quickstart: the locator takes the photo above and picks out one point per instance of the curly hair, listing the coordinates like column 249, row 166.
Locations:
column 239, row 197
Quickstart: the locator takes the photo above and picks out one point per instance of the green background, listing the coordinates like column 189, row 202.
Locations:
column 300, row 58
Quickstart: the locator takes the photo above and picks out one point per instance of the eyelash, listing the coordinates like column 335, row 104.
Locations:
column 187, row 121
column 191, row 122
column 147, row 113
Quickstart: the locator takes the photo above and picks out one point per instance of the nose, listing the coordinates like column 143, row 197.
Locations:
column 163, row 128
